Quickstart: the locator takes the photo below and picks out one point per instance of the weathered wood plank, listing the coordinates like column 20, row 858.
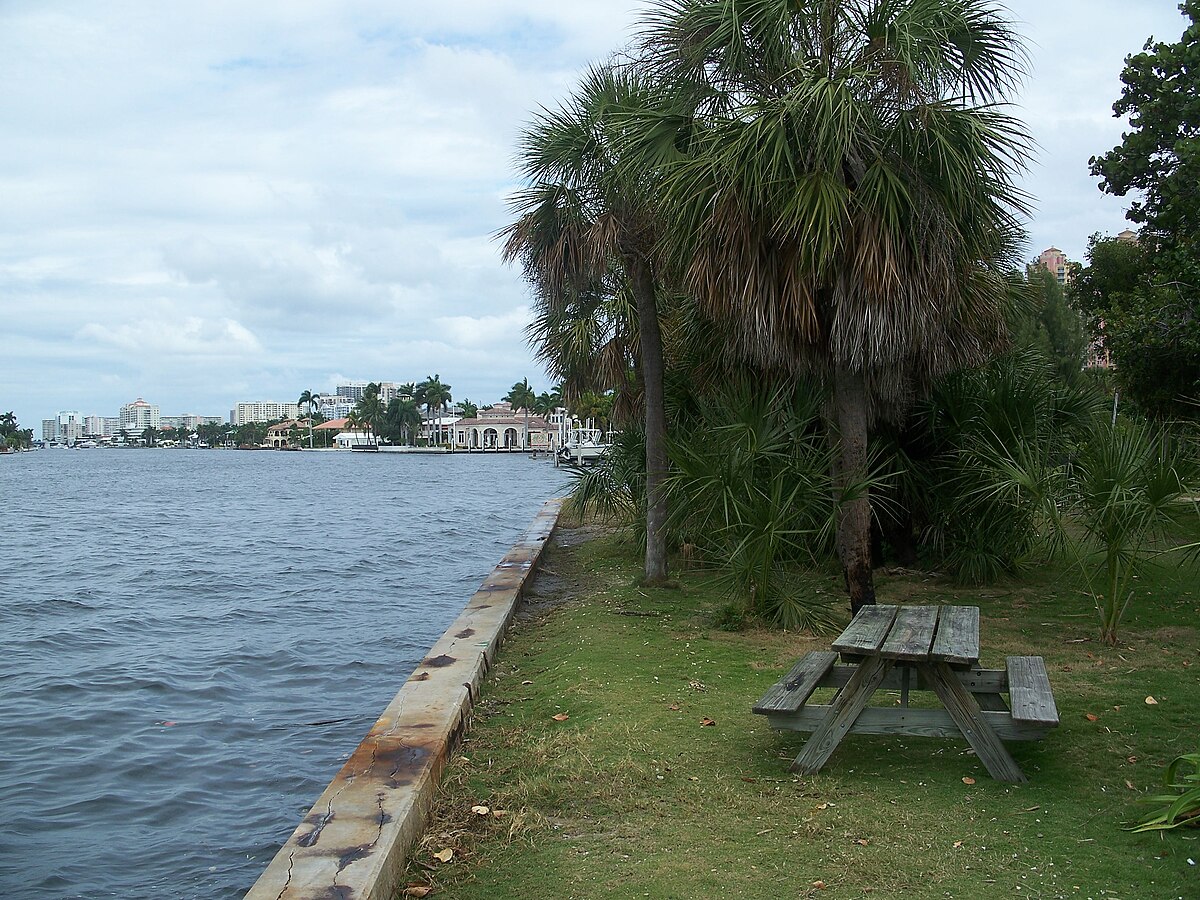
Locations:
column 911, row 635
column 842, row 713
column 974, row 679
column 969, row 718
column 789, row 694
column 957, row 639
column 867, row 631
column 897, row 720
column 1029, row 691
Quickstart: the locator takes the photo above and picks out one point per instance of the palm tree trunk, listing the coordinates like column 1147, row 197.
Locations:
column 650, row 339
column 854, row 512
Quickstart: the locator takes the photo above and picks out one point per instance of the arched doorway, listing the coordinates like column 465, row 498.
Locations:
column 490, row 438
column 510, row 438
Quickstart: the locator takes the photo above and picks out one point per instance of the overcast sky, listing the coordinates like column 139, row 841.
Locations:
column 211, row 202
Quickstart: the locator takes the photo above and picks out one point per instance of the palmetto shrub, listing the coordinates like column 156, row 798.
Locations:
column 750, row 490
column 1130, row 484
column 990, row 481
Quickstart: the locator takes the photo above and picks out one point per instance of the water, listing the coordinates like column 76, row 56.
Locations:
column 191, row 643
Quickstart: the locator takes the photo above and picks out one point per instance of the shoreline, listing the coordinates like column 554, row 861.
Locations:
column 355, row 840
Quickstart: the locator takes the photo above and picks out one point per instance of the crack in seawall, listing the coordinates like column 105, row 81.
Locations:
column 288, row 881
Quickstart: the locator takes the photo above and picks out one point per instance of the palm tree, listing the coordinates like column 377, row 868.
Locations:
column 837, row 175
column 433, row 394
column 585, row 233
column 521, row 396
column 468, row 409
column 369, row 411
column 150, row 435
column 307, row 399
column 354, row 420
column 401, row 419
column 547, row 402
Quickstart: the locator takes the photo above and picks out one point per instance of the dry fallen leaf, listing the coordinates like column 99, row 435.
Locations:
column 499, row 813
column 1150, row 701
column 967, row 779
column 1129, row 784
column 1131, row 759
column 1092, row 717
column 527, row 681
column 862, row 842
column 820, row 885
column 417, row 890
column 674, row 707
column 444, row 855
column 707, row 721
column 697, row 685
column 822, row 806
column 561, row 717
column 480, row 810
column 958, row 845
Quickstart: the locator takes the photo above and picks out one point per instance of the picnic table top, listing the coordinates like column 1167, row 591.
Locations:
column 913, row 634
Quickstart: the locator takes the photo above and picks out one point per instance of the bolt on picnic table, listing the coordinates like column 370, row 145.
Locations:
column 923, row 648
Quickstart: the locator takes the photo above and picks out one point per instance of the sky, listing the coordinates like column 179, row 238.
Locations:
column 212, row 202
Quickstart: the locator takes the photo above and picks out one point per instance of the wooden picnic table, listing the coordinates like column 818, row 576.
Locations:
column 914, row 648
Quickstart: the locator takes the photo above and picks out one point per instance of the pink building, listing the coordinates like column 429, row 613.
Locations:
column 1056, row 263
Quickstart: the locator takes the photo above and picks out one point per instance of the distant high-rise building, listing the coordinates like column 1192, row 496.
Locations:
column 1056, row 263
column 332, row 406
column 101, row 426
column 69, row 427
column 49, row 429
column 137, row 416
column 1129, row 237
column 191, row 420
column 353, row 390
column 262, row 411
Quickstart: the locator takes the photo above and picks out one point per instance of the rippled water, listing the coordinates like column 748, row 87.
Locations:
column 192, row 642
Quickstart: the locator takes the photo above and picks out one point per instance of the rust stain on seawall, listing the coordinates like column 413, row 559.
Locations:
column 354, row 841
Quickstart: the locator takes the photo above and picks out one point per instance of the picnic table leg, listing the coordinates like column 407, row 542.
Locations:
column 965, row 712
column 843, row 711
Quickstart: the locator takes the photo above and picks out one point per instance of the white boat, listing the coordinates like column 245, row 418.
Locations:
column 582, row 446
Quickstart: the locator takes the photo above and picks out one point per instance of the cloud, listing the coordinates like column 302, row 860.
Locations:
column 191, row 337
column 310, row 186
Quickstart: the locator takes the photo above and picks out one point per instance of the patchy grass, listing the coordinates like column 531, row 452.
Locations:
column 631, row 795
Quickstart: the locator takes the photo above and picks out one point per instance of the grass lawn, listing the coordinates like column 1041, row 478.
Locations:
column 628, row 793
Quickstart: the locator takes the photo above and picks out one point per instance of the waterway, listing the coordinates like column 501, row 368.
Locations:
column 192, row 642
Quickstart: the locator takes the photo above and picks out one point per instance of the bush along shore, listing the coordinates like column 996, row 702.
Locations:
column 614, row 752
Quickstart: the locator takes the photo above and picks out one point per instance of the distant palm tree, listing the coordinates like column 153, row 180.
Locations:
column 354, row 421
column 468, row 409
column 307, row 399
column 370, row 412
column 547, row 402
column 401, row 419
column 433, row 394
column 521, row 396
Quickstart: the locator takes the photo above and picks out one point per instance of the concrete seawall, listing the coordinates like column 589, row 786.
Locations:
column 353, row 843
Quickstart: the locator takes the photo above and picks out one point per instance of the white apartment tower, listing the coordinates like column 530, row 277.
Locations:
column 137, row 416
column 262, row 411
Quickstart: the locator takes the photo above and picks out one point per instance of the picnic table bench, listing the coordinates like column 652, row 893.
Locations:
column 913, row 648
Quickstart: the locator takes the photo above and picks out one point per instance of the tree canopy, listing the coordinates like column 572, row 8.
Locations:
column 1145, row 298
